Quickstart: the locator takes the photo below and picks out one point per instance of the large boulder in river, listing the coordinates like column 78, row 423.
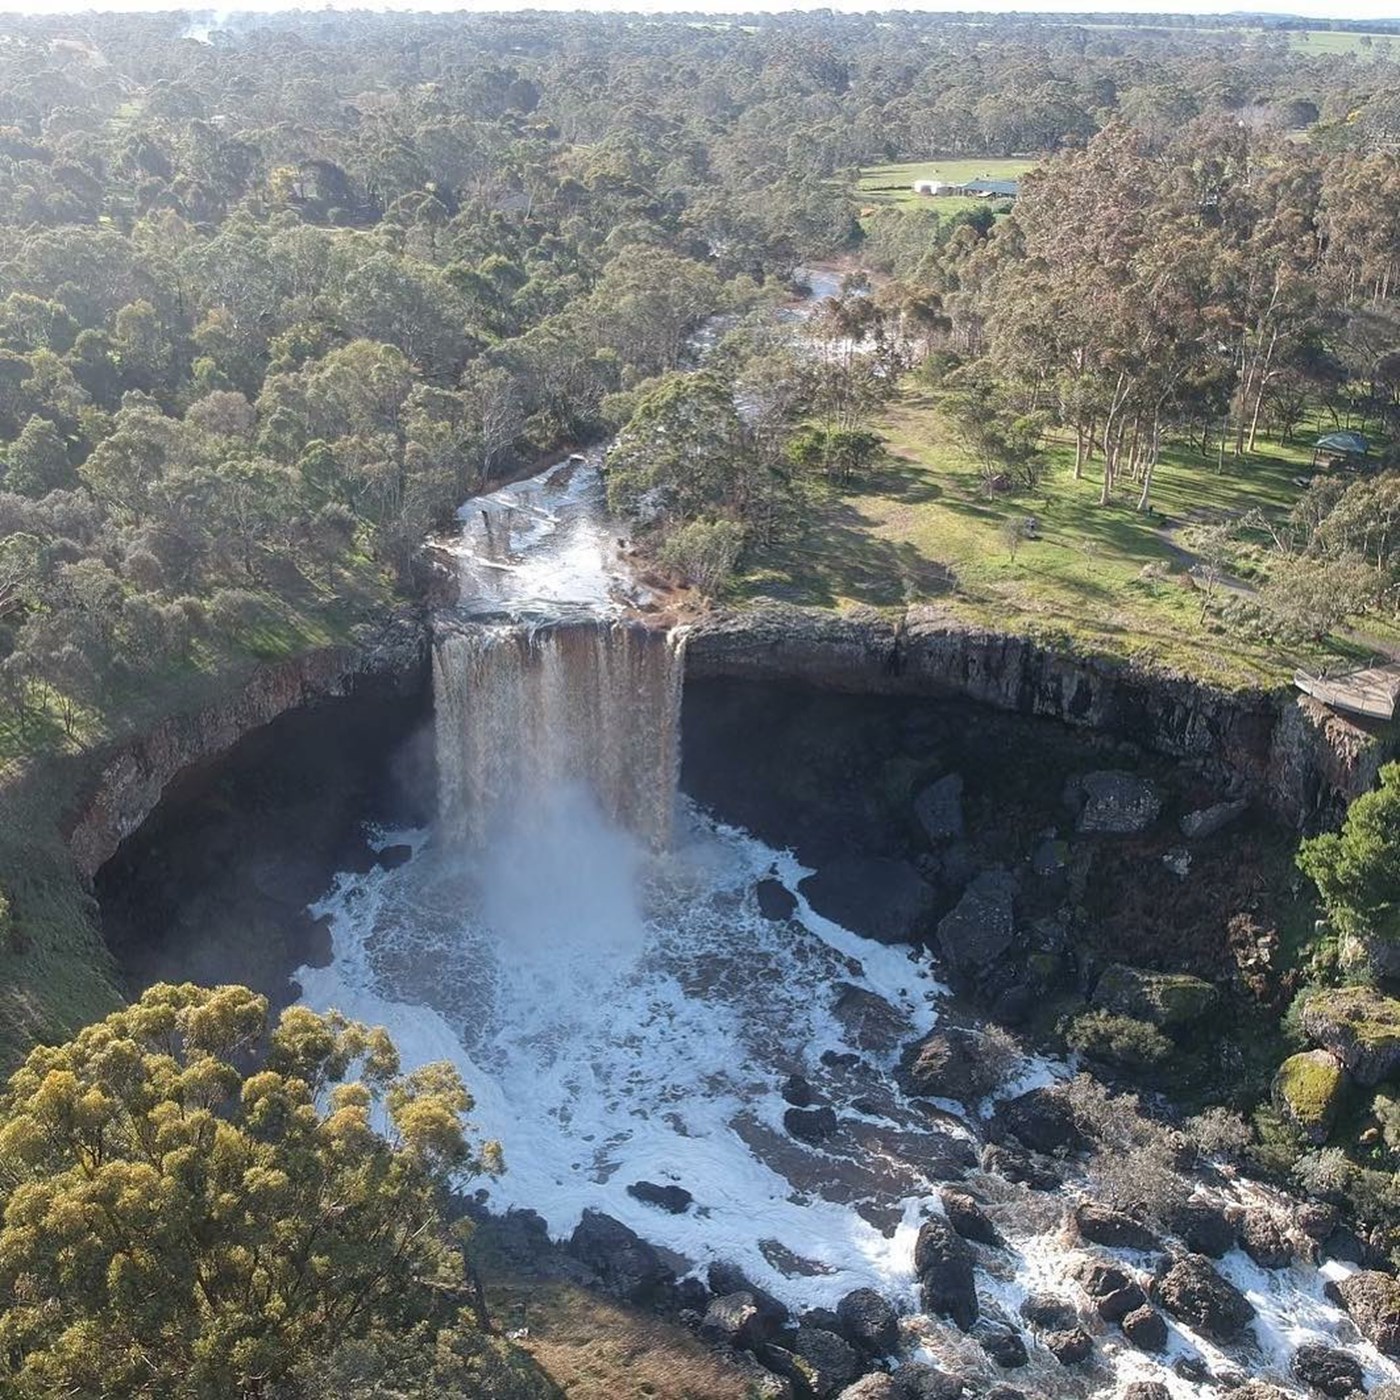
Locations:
column 874, row 896
column 725, row 1278
column 1145, row 1329
column 1168, row 1000
column 831, row 1360
column 1113, row 1291
column 1193, row 1293
column 950, row 1063
column 939, row 809
column 1205, row 1228
column 1042, row 1120
column 1114, row 803
column 1100, row 1224
column 981, row 926
column 968, row 1218
column 1265, row 1241
column 943, row 1263
column 626, row 1263
column 1308, row 1091
column 1360, row 1026
column 869, row 1322
column 1373, row 1300
column 736, row 1320
column 876, row 1386
column 1328, row 1371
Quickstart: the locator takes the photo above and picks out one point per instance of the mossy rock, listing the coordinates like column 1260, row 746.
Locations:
column 1308, row 1090
column 1360, row 1026
column 1171, row 1001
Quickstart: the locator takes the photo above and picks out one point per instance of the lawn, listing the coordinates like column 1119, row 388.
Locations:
column 1102, row 579
column 894, row 184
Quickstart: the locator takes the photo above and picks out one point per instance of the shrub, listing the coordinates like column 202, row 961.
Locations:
column 704, row 552
column 235, row 610
column 1121, row 1041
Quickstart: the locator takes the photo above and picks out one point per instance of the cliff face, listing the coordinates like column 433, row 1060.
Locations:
column 127, row 783
column 1304, row 762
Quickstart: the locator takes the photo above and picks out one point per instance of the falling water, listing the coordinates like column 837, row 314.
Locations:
column 526, row 712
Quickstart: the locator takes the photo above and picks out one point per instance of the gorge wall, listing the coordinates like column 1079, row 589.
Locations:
column 1301, row 760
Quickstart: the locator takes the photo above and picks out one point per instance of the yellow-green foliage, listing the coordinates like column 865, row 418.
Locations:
column 1308, row 1086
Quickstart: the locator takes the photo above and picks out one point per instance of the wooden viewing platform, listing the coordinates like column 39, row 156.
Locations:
column 1371, row 691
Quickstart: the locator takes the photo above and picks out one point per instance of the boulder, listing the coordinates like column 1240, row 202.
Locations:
column 674, row 1199
column 1069, row 1347
column 1113, row 1291
column 1016, row 1164
column 1327, row 1370
column 1204, row 1229
column 943, row 1263
column 737, row 1321
column 939, row 809
column 875, row 1386
column 797, row 1091
column 1042, row 1120
column 725, row 1278
column 625, row 1263
column 968, row 1218
column 918, row 1380
column 949, row 1063
column 775, row 900
column 1168, row 1000
column 1360, row 1026
column 874, row 896
column 1258, row 1390
column 391, row 857
column 1308, row 1091
column 1191, row 1291
column 869, row 1322
column 1145, row 1328
column 1206, row 821
column 759, row 1382
column 814, row 1125
column 1100, row 1224
column 1145, row 1390
column 1002, row 1342
column 832, row 1360
column 982, row 925
column 870, row 1022
column 1373, row 1301
column 1114, row 803
column 1048, row 1312
column 1263, row 1239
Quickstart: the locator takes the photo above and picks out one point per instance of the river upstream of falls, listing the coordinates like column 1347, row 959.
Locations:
column 587, row 946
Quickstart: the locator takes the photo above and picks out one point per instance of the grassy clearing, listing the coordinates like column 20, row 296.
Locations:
column 893, row 185
column 595, row 1349
column 1327, row 41
column 1100, row 579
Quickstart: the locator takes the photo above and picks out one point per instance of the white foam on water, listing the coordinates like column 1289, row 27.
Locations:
column 610, row 1041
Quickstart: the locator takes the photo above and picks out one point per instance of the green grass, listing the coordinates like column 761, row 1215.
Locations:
column 1101, row 579
column 1327, row 41
column 893, row 185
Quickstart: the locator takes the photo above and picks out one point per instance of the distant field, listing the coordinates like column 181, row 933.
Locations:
column 894, row 184
column 1318, row 41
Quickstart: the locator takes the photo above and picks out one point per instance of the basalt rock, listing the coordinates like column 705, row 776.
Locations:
column 737, row 1321
column 1145, row 1329
column 1114, row 803
column 1048, row 1312
column 1263, row 1239
column 1041, row 1120
column 1070, row 1347
column 1328, row 1371
column 1145, row 1390
column 917, row 1380
column 1100, row 1224
column 875, row 896
column 775, row 901
column 674, row 1199
column 813, row 1125
column 1308, row 1091
column 1204, row 1229
column 1360, row 1026
column 832, row 1360
column 1002, row 1342
column 1206, row 821
column 869, row 1322
column 876, row 1386
column 1170, row 1001
column 1113, row 1291
column 626, row 1263
column 981, row 926
column 1373, row 1300
column 1191, row 1291
column 949, row 1063
column 968, row 1218
column 725, row 1278
column 943, row 1264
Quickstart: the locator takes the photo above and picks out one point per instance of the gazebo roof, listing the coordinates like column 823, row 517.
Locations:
column 1351, row 443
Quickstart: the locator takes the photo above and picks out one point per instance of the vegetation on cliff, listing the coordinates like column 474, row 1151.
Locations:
column 198, row 1203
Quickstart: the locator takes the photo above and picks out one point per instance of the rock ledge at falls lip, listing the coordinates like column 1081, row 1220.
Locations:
column 1294, row 754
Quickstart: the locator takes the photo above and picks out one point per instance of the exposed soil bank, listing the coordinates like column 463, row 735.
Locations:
column 1303, row 762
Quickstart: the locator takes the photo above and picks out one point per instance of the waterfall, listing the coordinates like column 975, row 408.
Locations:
column 526, row 711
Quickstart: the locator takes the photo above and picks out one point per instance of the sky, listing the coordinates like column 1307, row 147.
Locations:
column 1320, row 9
